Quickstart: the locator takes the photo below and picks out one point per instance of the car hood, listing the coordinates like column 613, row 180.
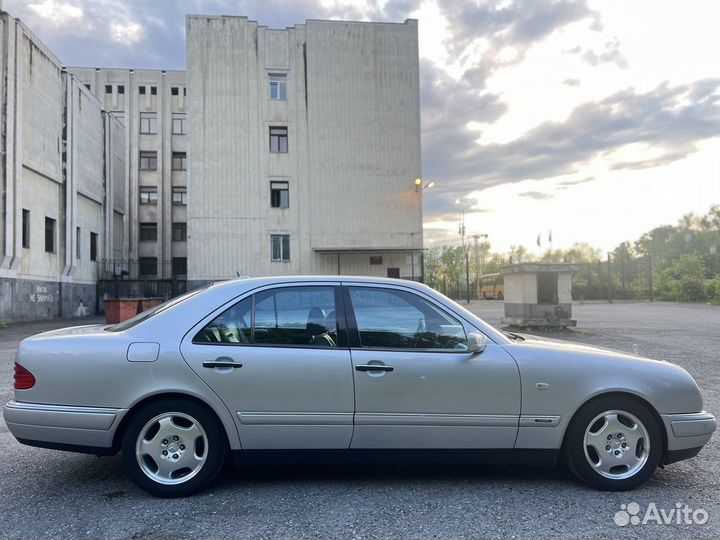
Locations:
column 575, row 350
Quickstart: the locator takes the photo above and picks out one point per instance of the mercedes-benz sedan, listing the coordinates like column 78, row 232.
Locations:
column 344, row 365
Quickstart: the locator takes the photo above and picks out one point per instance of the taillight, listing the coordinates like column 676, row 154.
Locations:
column 24, row 380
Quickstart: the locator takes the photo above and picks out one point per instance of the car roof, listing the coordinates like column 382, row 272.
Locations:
column 251, row 282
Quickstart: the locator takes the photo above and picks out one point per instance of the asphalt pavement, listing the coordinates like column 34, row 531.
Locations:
column 50, row 494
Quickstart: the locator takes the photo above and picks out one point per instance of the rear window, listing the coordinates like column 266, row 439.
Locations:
column 145, row 315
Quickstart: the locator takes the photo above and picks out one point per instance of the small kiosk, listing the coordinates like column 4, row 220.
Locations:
column 538, row 294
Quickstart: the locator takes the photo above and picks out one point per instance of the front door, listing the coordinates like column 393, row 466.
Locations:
column 416, row 386
column 282, row 367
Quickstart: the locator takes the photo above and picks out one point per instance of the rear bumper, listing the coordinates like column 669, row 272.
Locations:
column 688, row 431
column 62, row 426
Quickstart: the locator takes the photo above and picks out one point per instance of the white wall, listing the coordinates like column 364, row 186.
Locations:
column 354, row 145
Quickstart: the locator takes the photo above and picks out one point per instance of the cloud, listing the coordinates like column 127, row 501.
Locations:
column 56, row 13
column 568, row 183
column 609, row 55
column 572, row 82
column 537, row 195
column 126, row 33
column 501, row 25
column 668, row 118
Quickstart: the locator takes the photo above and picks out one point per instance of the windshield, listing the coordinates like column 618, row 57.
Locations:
column 145, row 315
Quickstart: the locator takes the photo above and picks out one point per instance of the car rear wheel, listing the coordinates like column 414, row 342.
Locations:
column 613, row 443
column 173, row 448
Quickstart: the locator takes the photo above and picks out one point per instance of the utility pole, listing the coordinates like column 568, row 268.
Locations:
column 650, row 274
column 609, row 279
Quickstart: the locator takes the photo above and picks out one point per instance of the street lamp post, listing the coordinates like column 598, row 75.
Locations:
column 466, row 252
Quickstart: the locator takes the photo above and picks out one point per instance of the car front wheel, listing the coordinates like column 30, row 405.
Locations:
column 173, row 448
column 613, row 443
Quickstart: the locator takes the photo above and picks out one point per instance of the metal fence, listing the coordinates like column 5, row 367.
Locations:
column 132, row 278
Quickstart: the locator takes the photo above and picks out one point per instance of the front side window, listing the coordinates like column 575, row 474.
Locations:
column 148, row 195
column 279, row 195
column 280, row 246
column 148, row 123
column 148, row 161
column 288, row 316
column 277, row 83
column 279, row 140
column 393, row 319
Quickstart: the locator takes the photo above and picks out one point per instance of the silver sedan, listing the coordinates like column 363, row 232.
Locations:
column 264, row 368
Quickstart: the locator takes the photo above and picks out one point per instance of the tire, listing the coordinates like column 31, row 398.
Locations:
column 173, row 448
column 613, row 443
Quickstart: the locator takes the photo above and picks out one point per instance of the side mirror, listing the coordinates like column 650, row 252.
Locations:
column 476, row 342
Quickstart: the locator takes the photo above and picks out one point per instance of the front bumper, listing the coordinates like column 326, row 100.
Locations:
column 63, row 426
column 687, row 431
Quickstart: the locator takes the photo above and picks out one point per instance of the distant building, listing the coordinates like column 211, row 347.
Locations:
column 62, row 179
column 304, row 147
column 152, row 104
column 288, row 151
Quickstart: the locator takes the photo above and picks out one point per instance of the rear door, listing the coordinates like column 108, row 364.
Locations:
column 279, row 359
column 416, row 386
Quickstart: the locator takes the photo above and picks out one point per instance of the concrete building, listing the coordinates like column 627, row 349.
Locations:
column 63, row 183
column 304, row 149
column 152, row 104
column 538, row 294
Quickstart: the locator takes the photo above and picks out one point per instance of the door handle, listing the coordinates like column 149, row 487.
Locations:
column 374, row 367
column 222, row 364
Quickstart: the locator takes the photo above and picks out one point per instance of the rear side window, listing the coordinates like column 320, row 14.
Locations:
column 286, row 316
column 393, row 319
column 145, row 315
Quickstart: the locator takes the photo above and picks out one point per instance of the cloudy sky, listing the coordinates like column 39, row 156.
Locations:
column 597, row 120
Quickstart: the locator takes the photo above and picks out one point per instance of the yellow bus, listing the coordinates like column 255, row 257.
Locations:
column 490, row 287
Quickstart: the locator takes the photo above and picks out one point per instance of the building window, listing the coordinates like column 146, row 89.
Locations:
column 179, row 161
column 148, row 195
column 179, row 126
column 184, row 91
column 26, row 229
column 279, row 140
column 174, row 91
column 148, row 232
column 280, row 247
column 148, row 123
column 153, row 90
column 179, row 232
column 121, row 89
column 93, row 246
column 277, row 83
column 179, row 266
column 375, row 259
column 179, row 196
column 147, row 266
column 108, row 88
column 49, row 235
column 78, row 242
column 279, row 195
column 148, row 161
column 141, row 90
